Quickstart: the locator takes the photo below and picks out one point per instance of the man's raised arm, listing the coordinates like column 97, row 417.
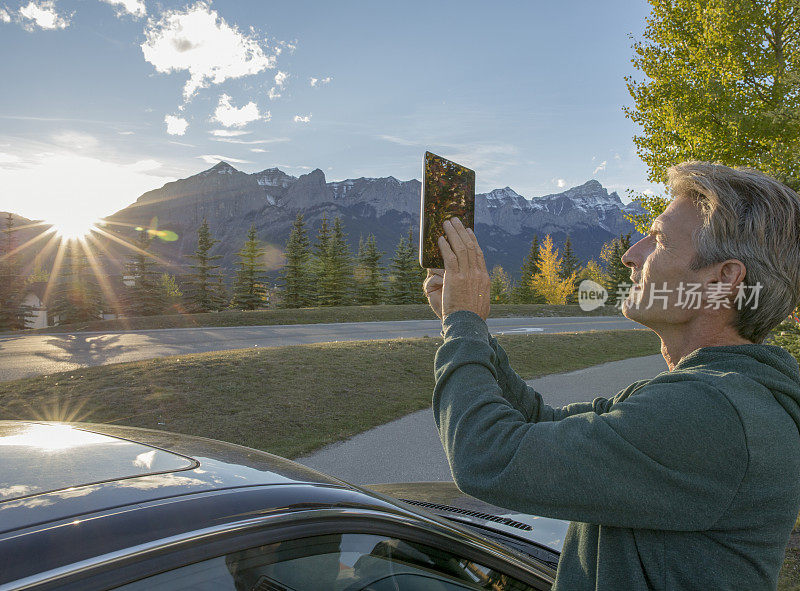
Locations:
column 585, row 466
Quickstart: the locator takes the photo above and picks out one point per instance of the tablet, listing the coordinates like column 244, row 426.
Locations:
column 448, row 190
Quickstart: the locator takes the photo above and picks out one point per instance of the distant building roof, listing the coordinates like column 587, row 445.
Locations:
column 38, row 288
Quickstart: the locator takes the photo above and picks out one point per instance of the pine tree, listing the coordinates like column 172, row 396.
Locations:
column 320, row 261
column 337, row 279
column 548, row 281
column 202, row 287
column 250, row 289
column 569, row 265
column 500, row 286
column 618, row 274
column 169, row 293
column 296, row 275
column 221, row 293
column 14, row 314
column 407, row 275
column 76, row 296
column 369, row 272
column 523, row 293
column 144, row 297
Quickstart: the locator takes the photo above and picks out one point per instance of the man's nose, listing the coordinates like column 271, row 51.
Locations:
column 633, row 256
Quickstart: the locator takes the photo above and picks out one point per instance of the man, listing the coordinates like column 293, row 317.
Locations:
column 689, row 480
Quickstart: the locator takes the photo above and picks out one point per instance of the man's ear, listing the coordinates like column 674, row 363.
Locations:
column 731, row 272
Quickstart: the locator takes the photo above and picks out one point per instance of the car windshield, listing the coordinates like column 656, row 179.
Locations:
column 245, row 221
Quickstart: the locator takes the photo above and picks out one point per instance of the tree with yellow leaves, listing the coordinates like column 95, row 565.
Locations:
column 548, row 281
column 593, row 271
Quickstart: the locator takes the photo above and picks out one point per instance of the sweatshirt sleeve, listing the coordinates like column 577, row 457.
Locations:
column 529, row 402
column 670, row 457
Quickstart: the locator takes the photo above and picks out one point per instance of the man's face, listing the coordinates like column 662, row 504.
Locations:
column 663, row 257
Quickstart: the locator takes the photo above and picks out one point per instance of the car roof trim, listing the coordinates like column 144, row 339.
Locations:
column 174, row 542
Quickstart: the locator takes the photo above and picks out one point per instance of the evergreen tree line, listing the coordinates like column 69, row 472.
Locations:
column 204, row 288
column 548, row 277
column 328, row 274
column 78, row 291
column 14, row 314
column 325, row 273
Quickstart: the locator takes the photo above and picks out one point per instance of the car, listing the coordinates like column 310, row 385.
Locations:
column 89, row 506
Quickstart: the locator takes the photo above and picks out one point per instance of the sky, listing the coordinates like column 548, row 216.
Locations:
column 106, row 99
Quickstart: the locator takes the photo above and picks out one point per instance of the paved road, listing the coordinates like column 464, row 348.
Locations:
column 409, row 450
column 29, row 355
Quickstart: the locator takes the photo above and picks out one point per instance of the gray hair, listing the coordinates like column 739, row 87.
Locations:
column 751, row 217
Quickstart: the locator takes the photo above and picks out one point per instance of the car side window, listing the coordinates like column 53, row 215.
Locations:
column 340, row 562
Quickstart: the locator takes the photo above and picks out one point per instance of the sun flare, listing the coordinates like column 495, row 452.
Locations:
column 74, row 227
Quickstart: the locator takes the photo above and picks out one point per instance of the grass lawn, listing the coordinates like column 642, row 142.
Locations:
column 313, row 316
column 789, row 578
column 288, row 400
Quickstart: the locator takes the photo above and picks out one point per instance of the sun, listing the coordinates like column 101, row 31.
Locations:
column 74, row 227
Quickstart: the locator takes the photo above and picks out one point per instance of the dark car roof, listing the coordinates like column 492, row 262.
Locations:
column 50, row 471
column 196, row 481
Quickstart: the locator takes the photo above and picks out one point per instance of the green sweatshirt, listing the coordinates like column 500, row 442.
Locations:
column 689, row 480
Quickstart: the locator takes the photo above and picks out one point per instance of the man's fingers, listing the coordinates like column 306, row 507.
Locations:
column 478, row 252
column 448, row 256
column 457, row 244
column 469, row 241
column 433, row 283
column 432, row 272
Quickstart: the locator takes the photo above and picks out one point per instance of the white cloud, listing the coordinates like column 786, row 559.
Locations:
column 494, row 160
column 144, row 165
column 318, row 82
column 229, row 116
column 617, row 156
column 215, row 158
column 43, row 15
column 175, row 125
column 280, row 81
column 125, row 132
column 8, row 158
column 76, row 140
column 290, row 46
column 197, row 40
column 258, row 150
column 228, row 132
column 299, row 119
column 560, row 183
column 398, row 140
column 248, row 142
column 54, row 185
column 4, row 16
column 133, row 7
column 601, row 167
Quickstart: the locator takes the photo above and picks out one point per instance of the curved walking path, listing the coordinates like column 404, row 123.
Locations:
column 409, row 450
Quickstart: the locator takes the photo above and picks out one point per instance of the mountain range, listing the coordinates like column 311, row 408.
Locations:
column 232, row 201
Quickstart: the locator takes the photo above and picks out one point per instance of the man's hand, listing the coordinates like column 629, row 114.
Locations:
column 433, row 290
column 466, row 284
